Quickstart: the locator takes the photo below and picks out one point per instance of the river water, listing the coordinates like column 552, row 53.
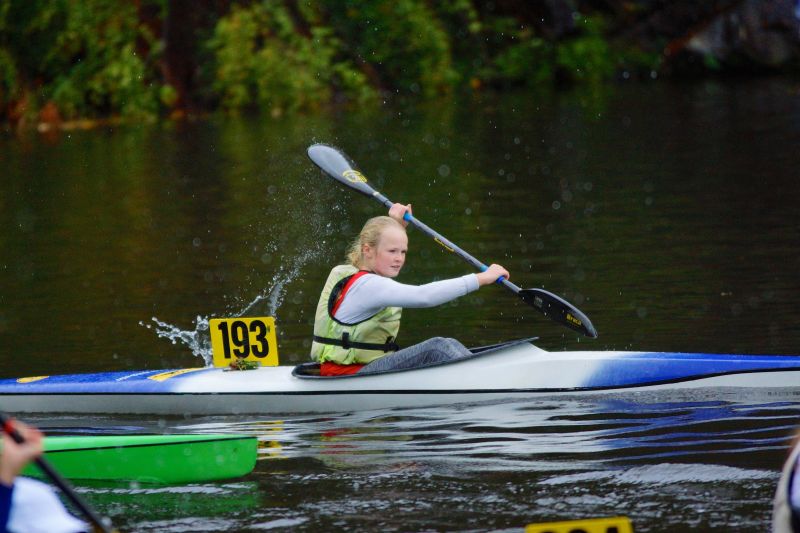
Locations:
column 666, row 212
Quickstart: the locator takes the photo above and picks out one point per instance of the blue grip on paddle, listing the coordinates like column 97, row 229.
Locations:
column 499, row 280
column 407, row 216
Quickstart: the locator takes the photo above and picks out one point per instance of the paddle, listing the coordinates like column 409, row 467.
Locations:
column 99, row 523
column 336, row 165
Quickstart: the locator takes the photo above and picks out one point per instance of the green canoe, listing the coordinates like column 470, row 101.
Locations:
column 164, row 459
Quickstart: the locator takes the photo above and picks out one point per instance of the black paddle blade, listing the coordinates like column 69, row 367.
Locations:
column 558, row 309
column 336, row 165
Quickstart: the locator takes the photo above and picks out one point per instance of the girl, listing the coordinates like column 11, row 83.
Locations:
column 358, row 313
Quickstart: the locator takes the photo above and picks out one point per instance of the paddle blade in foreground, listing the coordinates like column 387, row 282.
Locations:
column 334, row 164
column 559, row 310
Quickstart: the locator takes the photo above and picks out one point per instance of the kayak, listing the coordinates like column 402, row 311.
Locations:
column 512, row 370
column 163, row 459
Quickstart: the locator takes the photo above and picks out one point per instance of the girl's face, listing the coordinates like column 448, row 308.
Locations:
column 388, row 257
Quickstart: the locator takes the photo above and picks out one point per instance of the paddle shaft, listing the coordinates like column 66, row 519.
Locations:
column 547, row 303
column 444, row 242
column 97, row 521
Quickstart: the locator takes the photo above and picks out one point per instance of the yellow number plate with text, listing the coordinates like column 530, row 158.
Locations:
column 251, row 339
column 616, row 524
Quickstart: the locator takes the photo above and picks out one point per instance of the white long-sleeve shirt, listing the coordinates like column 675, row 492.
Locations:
column 371, row 293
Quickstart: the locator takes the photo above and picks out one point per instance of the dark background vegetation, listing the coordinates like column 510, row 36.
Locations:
column 64, row 60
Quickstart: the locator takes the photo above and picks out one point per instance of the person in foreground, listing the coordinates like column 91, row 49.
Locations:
column 27, row 505
column 786, row 506
column 358, row 313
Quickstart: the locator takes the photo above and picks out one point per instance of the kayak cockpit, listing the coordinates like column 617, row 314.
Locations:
column 311, row 370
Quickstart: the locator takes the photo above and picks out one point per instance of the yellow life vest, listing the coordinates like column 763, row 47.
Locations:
column 347, row 344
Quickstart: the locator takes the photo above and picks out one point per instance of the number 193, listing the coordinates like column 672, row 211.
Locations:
column 242, row 340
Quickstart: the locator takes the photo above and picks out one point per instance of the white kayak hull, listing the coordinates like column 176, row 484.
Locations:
column 508, row 372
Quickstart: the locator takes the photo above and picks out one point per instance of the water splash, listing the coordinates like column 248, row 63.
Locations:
column 266, row 303
column 276, row 292
column 197, row 340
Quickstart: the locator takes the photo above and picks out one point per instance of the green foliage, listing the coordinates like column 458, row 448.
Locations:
column 82, row 55
column 586, row 58
column 106, row 57
column 261, row 59
column 526, row 61
column 462, row 24
column 96, row 65
column 167, row 95
column 400, row 41
column 27, row 32
column 8, row 78
column 8, row 69
column 712, row 63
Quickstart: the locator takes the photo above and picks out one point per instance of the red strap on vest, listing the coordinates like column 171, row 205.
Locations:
column 340, row 298
column 333, row 369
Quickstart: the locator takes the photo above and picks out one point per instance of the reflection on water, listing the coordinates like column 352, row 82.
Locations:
column 668, row 463
column 195, row 507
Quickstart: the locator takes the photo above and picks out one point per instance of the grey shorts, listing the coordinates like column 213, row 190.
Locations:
column 435, row 350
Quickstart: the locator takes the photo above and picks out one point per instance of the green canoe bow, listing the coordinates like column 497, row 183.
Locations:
column 162, row 459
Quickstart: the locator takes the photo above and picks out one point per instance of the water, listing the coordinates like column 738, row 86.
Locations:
column 667, row 213
column 699, row 463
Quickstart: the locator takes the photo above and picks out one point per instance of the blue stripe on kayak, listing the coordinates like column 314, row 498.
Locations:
column 102, row 382
column 660, row 367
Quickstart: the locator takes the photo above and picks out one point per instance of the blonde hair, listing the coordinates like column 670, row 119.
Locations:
column 370, row 235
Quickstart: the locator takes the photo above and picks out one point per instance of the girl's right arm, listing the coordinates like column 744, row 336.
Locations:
column 372, row 293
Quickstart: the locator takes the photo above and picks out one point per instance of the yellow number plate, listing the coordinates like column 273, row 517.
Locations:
column 251, row 339
column 616, row 524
